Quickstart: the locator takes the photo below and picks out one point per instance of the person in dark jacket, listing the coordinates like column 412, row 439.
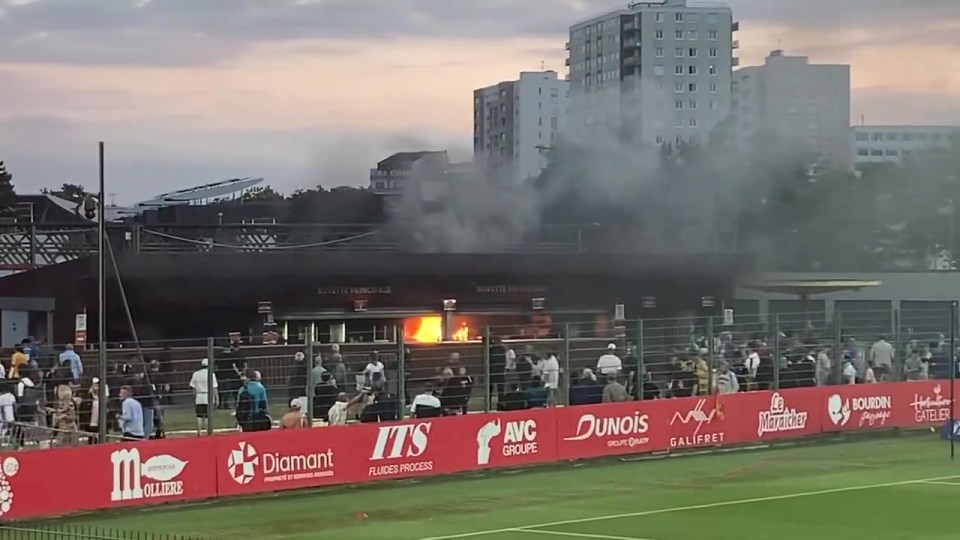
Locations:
column 498, row 367
column 455, row 394
column 324, row 396
column 513, row 400
column 586, row 390
column 382, row 406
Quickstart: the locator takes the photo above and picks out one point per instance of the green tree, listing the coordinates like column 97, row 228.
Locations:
column 8, row 195
column 71, row 192
column 261, row 194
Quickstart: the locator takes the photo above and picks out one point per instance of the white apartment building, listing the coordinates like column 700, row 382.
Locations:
column 891, row 144
column 514, row 122
column 801, row 103
column 656, row 72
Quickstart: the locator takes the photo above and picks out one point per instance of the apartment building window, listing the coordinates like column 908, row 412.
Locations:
column 863, row 152
column 713, row 105
column 863, row 137
column 876, row 152
column 678, row 105
column 877, row 137
column 679, row 139
column 678, row 17
column 660, row 139
column 659, row 34
column 693, row 53
column 678, row 87
column 678, row 52
column 713, row 52
column 713, row 88
column 659, row 17
column 891, row 136
column 692, row 87
column 692, row 34
column 907, row 136
column 693, row 104
column 713, row 35
column 692, row 123
column 692, row 70
column 658, row 70
column 678, row 34
column 678, row 70
column 679, row 123
column 659, row 52
column 712, row 70
column 892, row 152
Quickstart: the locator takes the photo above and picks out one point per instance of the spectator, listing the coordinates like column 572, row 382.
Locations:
column 614, row 392
column 300, row 376
column 456, row 391
column 609, row 363
column 425, row 404
column 229, row 371
column 870, row 376
column 338, row 369
column 374, row 369
column 726, row 381
column 88, row 413
column 17, row 360
column 824, row 368
column 316, row 373
column 201, row 383
column 649, row 389
column 131, row 414
column 855, row 353
column 8, row 408
column 881, row 354
column 702, row 370
column 31, row 348
column 536, row 395
column 586, row 391
column 71, row 359
column 525, row 363
column 324, row 396
column 338, row 412
column 144, row 393
column 550, row 375
column 849, row 371
column 252, row 410
column 682, row 379
column 295, row 418
column 381, row 406
column 913, row 367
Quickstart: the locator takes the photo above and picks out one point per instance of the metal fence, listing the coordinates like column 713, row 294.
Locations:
column 495, row 367
column 81, row 532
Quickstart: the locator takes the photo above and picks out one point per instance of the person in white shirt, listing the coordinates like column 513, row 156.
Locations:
column 374, row 370
column 550, row 375
column 849, row 372
column 881, row 354
column 609, row 363
column 8, row 407
column 425, row 400
column 337, row 415
column 200, row 385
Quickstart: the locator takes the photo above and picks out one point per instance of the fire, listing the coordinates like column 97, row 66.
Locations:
column 429, row 329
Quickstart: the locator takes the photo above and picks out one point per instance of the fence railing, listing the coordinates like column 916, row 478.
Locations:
column 659, row 358
column 80, row 532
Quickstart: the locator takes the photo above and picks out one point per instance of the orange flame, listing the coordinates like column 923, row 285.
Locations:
column 429, row 329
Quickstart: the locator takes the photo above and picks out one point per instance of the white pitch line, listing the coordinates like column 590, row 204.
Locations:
column 579, row 535
column 939, row 483
column 692, row 507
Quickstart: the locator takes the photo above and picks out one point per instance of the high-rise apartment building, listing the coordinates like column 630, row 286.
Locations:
column 514, row 122
column 802, row 104
column 658, row 72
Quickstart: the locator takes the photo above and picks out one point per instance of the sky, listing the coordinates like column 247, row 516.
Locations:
column 314, row 92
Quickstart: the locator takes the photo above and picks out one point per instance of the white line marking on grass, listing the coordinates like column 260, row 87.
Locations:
column 940, row 483
column 579, row 535
column 693, row 507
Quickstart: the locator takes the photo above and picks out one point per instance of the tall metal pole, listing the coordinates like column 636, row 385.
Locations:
column 102, row 304
column 951, row 430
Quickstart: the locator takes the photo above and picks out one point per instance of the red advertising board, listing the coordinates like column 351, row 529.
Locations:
column 273, row 461
column 52, row 482
column 150, row 472
column 880, row 406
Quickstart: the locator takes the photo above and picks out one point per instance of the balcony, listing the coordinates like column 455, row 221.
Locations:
column 566, row 62
column 736, row 61
column 736, row 44
column 566, row 46
column 630, row 26
column 377, row 173
column 629, row 44
column 631, row 61
column 735, row 26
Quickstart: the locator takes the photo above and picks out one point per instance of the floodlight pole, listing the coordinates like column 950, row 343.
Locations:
column 101, row 305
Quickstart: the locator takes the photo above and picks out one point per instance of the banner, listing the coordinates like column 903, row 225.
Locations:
column 189, row 469
column 44, row 483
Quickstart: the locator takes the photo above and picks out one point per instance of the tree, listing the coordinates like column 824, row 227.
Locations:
column 72, row 192
column 8, row 196
column 261, row 194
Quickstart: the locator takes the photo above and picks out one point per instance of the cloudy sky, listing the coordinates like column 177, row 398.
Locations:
column 307, row 92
